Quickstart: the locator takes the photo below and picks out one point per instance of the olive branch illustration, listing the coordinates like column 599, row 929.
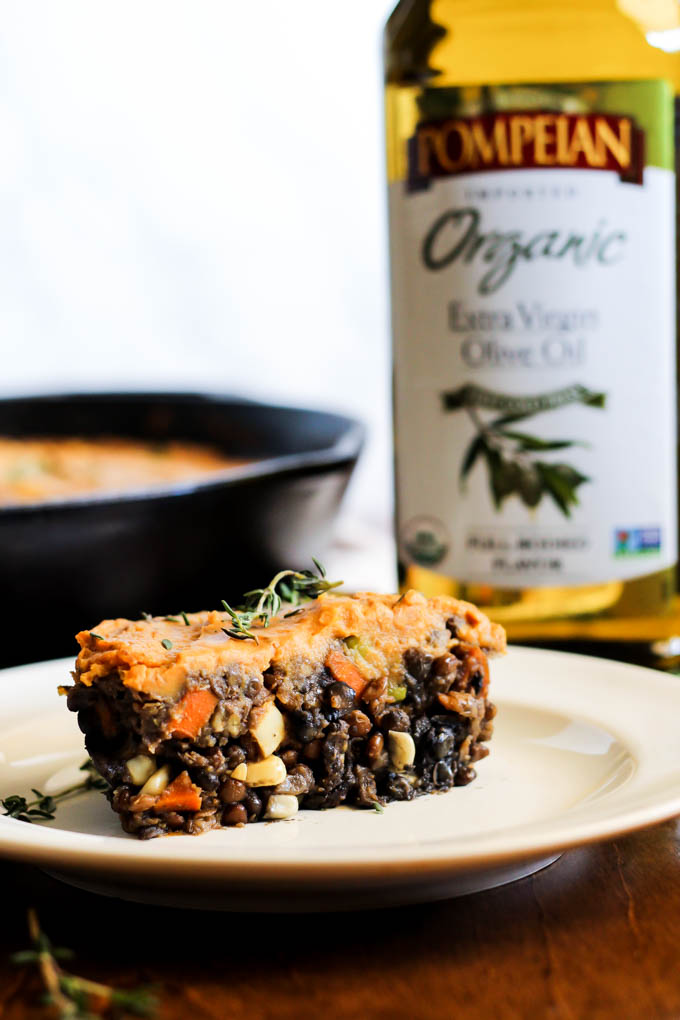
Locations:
column 515, row 459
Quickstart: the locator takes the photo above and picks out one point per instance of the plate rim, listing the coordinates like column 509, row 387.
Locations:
column 72, row 851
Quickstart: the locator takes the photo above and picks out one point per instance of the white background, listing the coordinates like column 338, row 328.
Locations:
column 192, row 195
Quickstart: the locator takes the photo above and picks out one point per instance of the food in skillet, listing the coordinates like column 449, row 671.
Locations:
column 41, row 470
column 222, row 718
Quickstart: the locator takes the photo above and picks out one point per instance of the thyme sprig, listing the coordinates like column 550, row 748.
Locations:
column 74, row 997
column 261, row 604
column 44, row 806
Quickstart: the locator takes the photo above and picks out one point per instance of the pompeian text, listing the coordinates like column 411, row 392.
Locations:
column 530, row 138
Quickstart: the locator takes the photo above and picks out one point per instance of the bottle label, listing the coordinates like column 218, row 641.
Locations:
column 533, row 281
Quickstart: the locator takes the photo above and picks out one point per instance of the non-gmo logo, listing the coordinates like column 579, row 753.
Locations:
column 637, row 541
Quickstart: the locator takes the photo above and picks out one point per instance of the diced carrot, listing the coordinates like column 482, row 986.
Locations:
column 192, row 713
column 181, row 795
column 345, row 671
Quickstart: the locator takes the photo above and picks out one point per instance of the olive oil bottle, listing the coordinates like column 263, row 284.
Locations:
column 532, row 194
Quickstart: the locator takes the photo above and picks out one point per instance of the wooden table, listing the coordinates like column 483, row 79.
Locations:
column 597, row 934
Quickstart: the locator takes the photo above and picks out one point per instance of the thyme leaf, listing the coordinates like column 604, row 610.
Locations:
column 261, row 604
column 43, row 807
column 167, row 644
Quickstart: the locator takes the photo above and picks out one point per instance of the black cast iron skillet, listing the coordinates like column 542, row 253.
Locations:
column 65, row 566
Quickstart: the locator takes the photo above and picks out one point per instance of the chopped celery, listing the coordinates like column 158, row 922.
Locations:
column 397, row 692
column 357, row 645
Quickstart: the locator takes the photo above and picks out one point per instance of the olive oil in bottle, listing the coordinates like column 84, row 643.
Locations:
column 531, row 163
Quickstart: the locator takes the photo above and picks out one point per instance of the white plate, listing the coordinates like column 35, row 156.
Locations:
column 584, row 749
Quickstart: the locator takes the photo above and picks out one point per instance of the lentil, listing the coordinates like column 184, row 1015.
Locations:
column 234, row 756
column 418, row 663
column 359, row 724
column 464, row 775
column 235, row 815
column 375, row 746
column 233, row 791
column 340, row 696
column 395, row 719
column 289, row 758
column 399, row 788
column 252, row 805
column 442, row 774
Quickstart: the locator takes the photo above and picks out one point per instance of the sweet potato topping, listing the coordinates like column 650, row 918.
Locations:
column 135, row 649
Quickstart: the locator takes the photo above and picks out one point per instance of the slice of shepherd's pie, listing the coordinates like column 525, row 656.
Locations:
column 213, row 718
